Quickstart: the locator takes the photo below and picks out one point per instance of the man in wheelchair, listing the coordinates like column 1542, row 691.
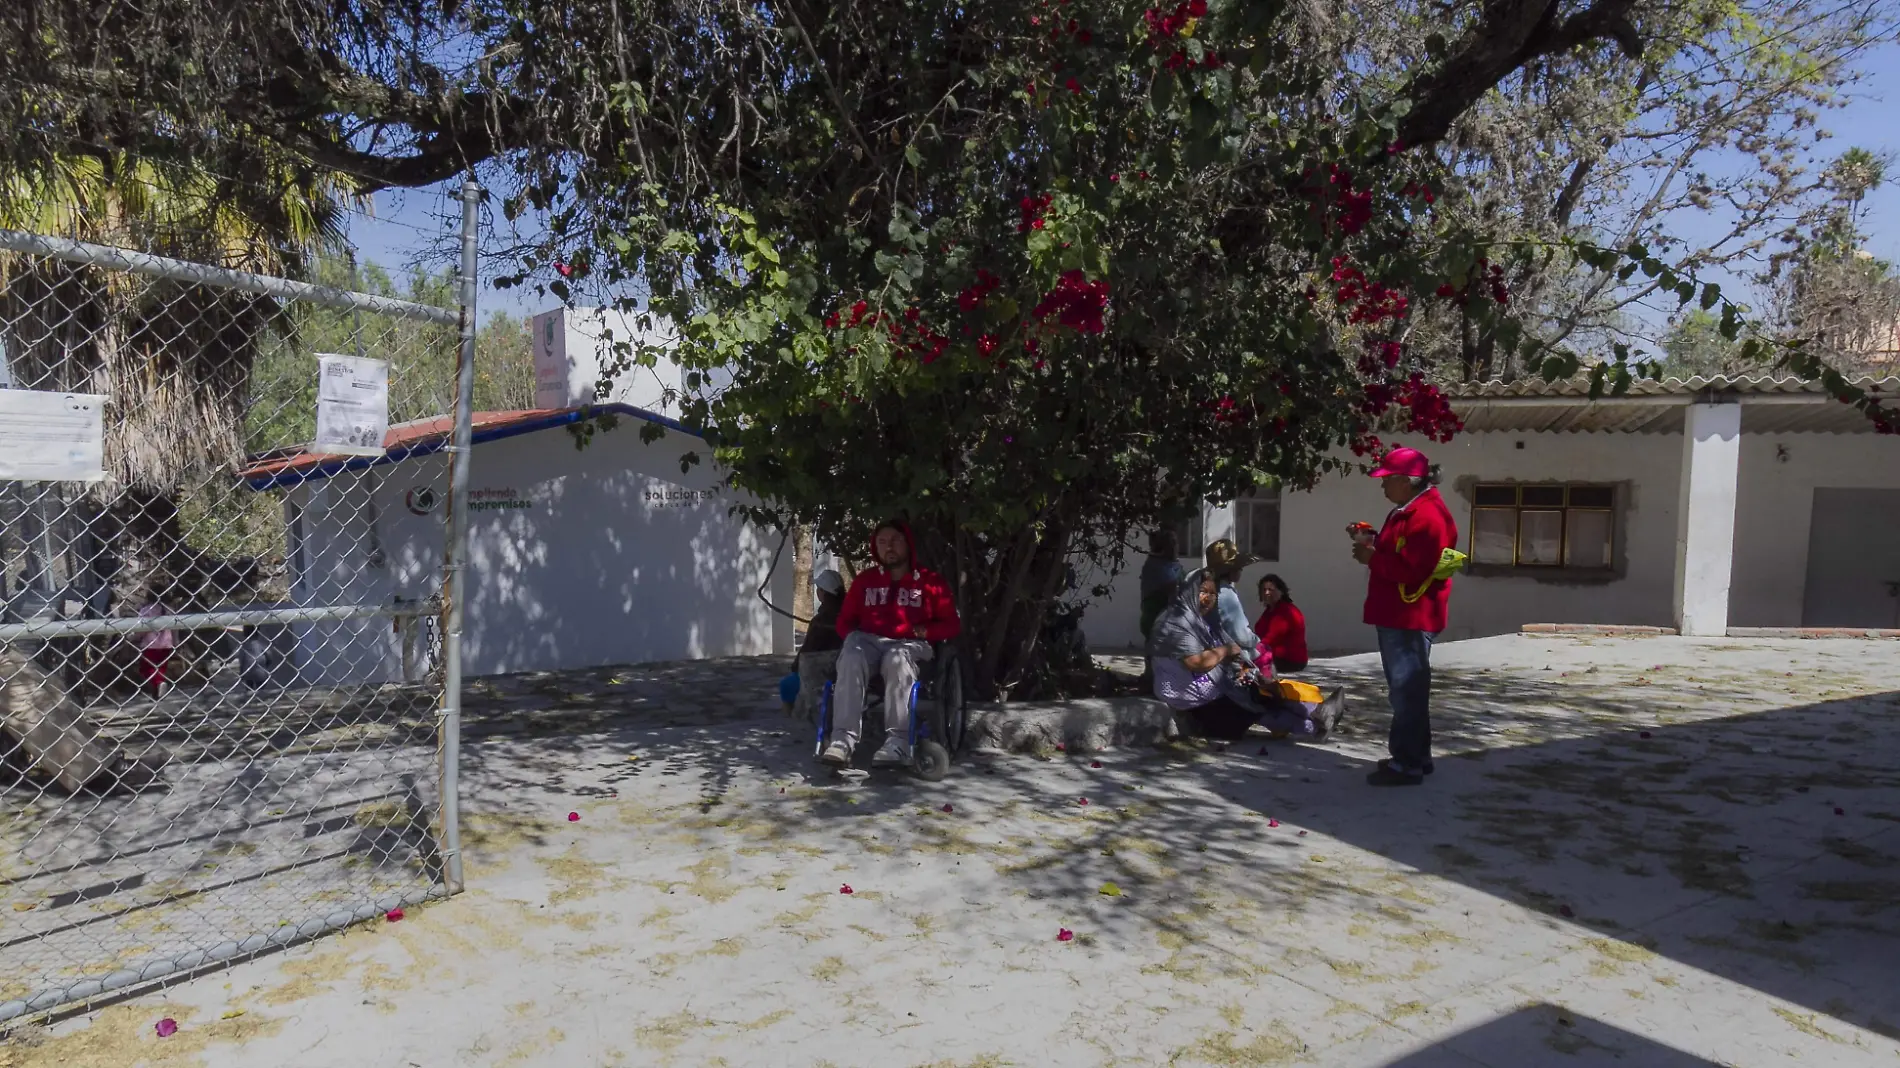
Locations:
column 891, row 615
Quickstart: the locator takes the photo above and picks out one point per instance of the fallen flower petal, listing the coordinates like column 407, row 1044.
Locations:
column 393, row 916
column 1263, row 750
column 1095, row 763
column 1840, row 811
column 1302, row 834
column 167, row 1027
column 1063, row 934
column 573, row 817
column 845, row 889
column 948, row 808
column 1273, row 823
column 1082, row 801
column 1642, row 734
column 1060, row 748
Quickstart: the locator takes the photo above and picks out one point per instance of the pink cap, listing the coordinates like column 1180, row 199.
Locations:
column 1408, row 462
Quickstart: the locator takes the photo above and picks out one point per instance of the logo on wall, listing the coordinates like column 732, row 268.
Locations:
column 421, row 500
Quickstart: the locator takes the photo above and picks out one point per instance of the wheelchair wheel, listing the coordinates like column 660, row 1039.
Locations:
column 932, row 761
column 950, row 704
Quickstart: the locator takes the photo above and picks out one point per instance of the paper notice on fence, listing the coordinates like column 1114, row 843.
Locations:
column 52, row 437
column 352, row 405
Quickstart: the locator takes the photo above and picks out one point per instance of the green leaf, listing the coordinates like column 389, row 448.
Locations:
column 1710, row 294
column 1685, row 292
column 912, row 156
column 1110, row 890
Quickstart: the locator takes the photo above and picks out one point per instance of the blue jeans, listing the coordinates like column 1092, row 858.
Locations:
column 1407, row 657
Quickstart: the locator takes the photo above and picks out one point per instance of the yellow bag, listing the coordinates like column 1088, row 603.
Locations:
column 1293, row 690
column 1450, row 562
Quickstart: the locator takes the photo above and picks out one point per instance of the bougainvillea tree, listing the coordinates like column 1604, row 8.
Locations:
column 1035, row 274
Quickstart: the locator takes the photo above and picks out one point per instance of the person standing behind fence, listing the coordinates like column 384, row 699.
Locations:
column 1408, row 605
column 155, row 647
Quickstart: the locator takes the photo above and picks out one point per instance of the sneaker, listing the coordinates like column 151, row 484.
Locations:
column 837, row 754
column 1426, row 767
column 892, row 752
column 1388, row 774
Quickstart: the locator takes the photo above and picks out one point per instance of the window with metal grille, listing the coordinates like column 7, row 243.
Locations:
column 1257, row 523
column 1544, row 525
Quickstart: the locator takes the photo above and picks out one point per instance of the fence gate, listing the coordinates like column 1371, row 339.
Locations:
column 228, row 705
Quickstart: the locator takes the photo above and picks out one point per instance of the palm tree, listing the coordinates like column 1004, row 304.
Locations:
column 175, row 358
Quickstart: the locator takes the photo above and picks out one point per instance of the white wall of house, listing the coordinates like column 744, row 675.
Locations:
column 1773, row 505
column 577, row 558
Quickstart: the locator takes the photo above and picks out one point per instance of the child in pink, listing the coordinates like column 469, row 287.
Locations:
column 155, row 649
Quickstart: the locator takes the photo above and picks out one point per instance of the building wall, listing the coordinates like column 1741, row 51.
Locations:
column 1329, row 586
column 1774, row 504
column 577, row 558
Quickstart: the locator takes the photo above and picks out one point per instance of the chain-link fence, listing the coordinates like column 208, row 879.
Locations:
column 229, row 676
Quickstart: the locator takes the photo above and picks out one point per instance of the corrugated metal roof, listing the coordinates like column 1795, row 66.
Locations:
column 1769, row 405
column 421, row 437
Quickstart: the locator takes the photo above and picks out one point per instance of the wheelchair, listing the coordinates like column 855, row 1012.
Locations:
column 938, row 713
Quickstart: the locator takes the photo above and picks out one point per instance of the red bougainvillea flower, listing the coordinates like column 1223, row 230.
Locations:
column 1114, row 177
column 1061, row 748
column 1095, row 763
column 1072, row 86
column 1076, row 303
column 1302, row 834
column 573, row 817
column 1063, row 934
column 857, row 313
column 166, row 1028
column 1031, row 210
column 949, row 808
column 1083, row 801
column 986, row 344
column 566, row 269
column 1273, row 823
column 845, row 889
column 393, row 916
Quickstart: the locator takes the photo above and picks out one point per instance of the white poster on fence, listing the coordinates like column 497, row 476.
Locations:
column 352, row 405
column 52, row 437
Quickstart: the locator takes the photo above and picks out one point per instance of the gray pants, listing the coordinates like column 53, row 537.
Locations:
column 814, row 670
column 862, row 656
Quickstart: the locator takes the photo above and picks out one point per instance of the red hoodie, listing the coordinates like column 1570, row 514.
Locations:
column 893, row 608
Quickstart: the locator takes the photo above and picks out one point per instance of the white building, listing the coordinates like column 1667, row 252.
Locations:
column 573, row 347
column 1702, row 505
column 577, row 557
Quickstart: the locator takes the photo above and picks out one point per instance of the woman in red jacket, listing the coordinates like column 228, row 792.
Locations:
column 1407, row 605
column 1281, row 627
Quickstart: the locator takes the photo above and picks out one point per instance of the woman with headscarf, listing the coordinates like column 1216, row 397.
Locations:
column 1199, row 674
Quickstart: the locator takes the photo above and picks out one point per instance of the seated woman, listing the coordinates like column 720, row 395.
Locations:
column 1281, row 626
column 1229, row 618
column 1197, row 674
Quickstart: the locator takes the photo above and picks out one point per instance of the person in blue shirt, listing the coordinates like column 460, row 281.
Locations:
column 1229, row 617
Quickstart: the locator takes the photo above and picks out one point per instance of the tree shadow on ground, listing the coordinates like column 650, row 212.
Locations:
column 1686, row 812
column 1581, row 1040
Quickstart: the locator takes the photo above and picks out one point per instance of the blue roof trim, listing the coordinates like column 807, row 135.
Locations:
column 565, row 417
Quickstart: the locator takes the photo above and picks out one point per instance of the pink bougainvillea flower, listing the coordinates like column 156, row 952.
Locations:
column 845, row 889
column 1063, row 934
column 566, row 269
column 1273, row 823
column 573, row 817
column 949, row 808
column 393, row 916
column 1095, row 763
column 166, row 1028
column 1061, row 747
column 1114, row 177
column 1083, row 801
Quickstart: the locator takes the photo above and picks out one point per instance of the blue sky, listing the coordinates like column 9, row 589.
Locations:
column 421, row 225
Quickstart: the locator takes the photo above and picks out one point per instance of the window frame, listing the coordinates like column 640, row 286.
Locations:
column 1564, row 509
column 1250, row 504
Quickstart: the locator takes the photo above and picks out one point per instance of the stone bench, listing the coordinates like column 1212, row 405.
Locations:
column 1080, row 726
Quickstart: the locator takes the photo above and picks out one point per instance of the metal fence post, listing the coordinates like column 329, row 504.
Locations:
column 455, row 553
